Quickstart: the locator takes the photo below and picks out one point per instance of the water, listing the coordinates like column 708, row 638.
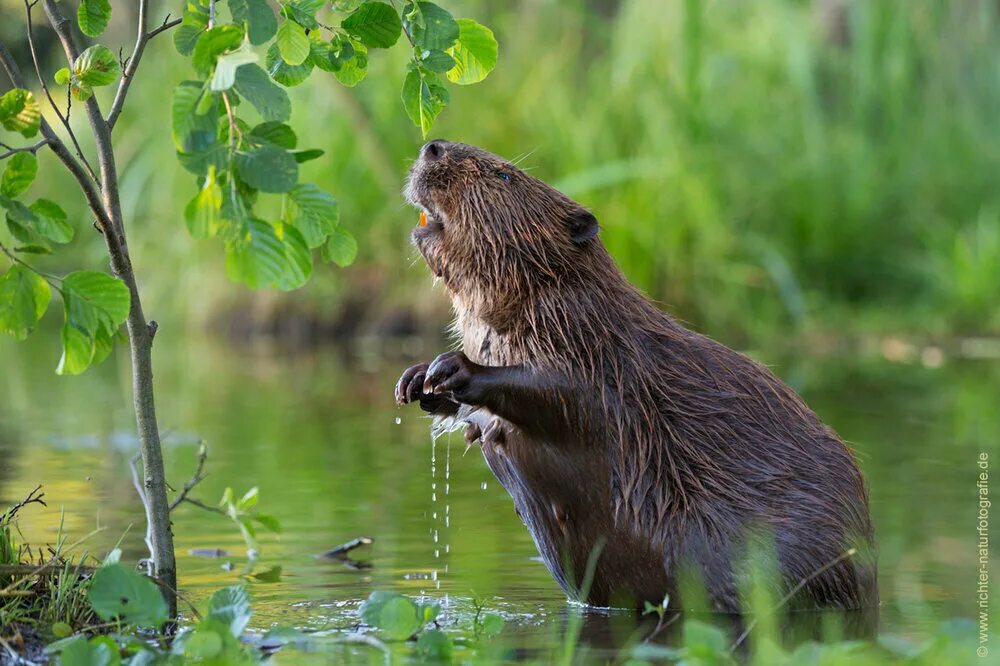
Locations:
column 334, row 459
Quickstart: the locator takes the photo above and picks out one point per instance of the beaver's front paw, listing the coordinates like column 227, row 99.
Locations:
column 410, row 384
column 453, row 373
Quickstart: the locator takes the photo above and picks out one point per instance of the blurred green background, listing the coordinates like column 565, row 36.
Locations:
column 761, row 168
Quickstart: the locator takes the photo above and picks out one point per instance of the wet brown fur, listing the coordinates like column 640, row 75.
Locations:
column 690, row 447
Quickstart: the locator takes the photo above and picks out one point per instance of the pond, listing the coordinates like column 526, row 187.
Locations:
column 318, row 433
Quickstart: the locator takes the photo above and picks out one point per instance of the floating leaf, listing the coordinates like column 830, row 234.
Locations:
column 374, row 24
column 19, row 112
column 254, row 85
column 97, row 66
column 434, row 644
column 117, row 591
column 292, row 43
column 341, row 248
column 268, row 169
column 475, row 53
column 436, row 29
column 93, row 16
column 19, row 174
column 398, row 619
column 24, row 297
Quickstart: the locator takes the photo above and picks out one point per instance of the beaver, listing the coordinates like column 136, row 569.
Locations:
column 635, row 450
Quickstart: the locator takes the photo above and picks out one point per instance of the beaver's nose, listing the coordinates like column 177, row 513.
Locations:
column 434, row 150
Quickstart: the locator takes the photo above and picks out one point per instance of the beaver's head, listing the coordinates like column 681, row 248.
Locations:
column 490, row 228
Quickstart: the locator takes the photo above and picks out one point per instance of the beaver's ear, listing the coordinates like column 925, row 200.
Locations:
column 582, row 225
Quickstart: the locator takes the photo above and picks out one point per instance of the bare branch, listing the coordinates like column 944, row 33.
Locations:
column 194, row 480
column 132, row 64
column 27, row 149
column 34, row 497
column 206, row 507
column 41, row 80
column 59, row 148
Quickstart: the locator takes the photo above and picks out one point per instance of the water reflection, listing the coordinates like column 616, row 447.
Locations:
column 334, row 460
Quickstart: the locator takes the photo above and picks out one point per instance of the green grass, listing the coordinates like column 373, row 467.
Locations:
column 749, row 171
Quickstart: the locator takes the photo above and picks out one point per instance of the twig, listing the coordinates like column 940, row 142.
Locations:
column 41, row 80
column 194, row 480
column 45, row 276
column 785, row 599
column 27, row 149
column 132, row 64
column 207, row 507
column 343, row 549
column 34, row 497
column 180, row 596
column 145, row 504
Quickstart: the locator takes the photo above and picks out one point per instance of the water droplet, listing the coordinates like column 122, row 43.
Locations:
column 482, row 486
column 398, row 420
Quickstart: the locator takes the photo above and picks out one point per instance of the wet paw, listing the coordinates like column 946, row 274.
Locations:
column 452, row 373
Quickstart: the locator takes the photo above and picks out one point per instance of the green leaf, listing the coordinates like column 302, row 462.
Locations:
column 62, row 76
column 254, row 85
column 186, row 38
column 50, row 221
column 423, row 98
column 268, row 169
column 437, row 61
column 95, row 305
column 203, row 213
column 307, row 155
column 298, row 266
column 269, row 522
column 475, row 53
column 341, row 248
column 294, row 12
column 437, row 29
column 192, row 131
column 374, row 24
column 98, row 651
column 292, row 43
column 398, row 619
column 97, row 66
column 282, row 72
column 269, row 575
column 259, row 17
column 279, row 134
column 435, row 644
column 491, row 624
column 19, row 174
column 227, row 64
column 214, row 43
column 231, row 607
column 313, row 212
column 117, row 591
column 259, row 259
column 24, row 297
column 93, row 16
column 353, row 70
column 19, row 112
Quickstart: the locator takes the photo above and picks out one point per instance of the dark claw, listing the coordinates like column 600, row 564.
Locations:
column 406, row 385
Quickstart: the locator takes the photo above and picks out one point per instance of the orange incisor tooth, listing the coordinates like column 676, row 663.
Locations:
column 423, row 219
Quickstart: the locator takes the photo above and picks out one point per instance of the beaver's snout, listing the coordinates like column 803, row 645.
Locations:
column 434, row 150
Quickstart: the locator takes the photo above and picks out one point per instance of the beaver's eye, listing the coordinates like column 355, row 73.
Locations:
column 503, row 175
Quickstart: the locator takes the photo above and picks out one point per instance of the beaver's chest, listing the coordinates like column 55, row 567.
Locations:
column 561, row 491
